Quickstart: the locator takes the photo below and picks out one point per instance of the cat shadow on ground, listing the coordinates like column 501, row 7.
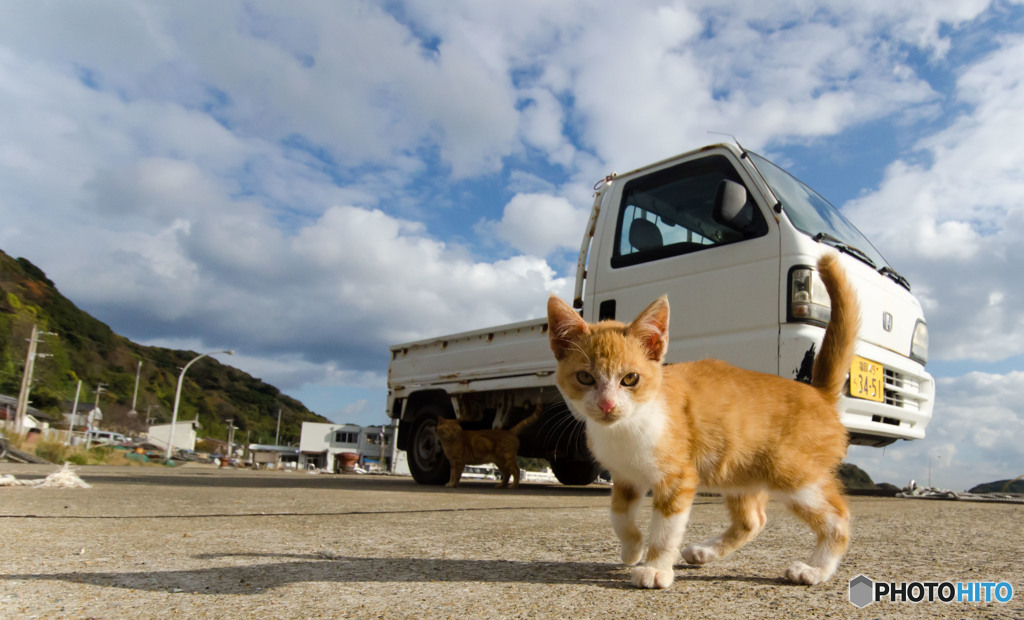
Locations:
column 326, row 567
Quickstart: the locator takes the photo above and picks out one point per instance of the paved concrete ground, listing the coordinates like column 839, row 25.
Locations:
column 201, row 542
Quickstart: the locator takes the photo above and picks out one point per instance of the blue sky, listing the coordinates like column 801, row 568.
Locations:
column 310, row 182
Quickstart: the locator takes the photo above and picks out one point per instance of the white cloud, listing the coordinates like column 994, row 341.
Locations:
column 954, row 222
column 355, row 280
column 649, row 79
column 539, row 224
column 151, row 189
column 348, row 76
column 543, row 126
column 972, row 438
column 357, row 408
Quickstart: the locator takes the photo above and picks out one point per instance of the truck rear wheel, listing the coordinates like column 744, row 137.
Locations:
column 427, row 461
column 575, row 473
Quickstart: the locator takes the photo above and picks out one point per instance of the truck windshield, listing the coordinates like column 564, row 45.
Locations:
column 814, row 215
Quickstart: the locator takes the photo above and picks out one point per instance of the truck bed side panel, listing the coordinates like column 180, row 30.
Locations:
column 515, row 350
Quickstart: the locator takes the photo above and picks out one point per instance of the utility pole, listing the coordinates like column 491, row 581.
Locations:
column 26, row 381
column 74, row 413
column 277, row 435
column 135, row 395
column 231, row 438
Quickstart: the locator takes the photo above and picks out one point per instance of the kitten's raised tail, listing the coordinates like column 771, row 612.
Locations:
column 518, row 428
column 837, row 347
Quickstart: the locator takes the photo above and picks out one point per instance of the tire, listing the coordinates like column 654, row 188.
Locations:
column 427, row 461
column 575, row 473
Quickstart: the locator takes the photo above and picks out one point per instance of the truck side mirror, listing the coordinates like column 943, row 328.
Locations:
column 731, row 206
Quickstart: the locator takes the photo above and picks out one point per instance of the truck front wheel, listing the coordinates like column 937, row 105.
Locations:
column 575, row 473
column 427, row 461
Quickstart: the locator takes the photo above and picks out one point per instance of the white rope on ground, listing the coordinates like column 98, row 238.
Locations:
column 63, row 478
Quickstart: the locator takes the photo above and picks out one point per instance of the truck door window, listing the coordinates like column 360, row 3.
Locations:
column 670, row 212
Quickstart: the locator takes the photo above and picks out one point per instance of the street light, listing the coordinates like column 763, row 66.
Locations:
column 177, row 397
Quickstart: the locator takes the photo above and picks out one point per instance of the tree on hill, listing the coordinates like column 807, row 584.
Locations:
column 854, row 477
column 77, row 346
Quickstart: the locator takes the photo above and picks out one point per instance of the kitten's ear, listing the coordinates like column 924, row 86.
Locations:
column 651, row 328
column 564, row 325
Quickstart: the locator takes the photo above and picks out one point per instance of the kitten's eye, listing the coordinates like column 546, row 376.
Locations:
column 585, row 377
column 631, row 379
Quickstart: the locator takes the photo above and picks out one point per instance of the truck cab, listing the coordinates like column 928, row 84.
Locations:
column 732, row 239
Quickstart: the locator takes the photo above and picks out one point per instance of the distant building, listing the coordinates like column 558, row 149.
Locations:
column 263, row 456
column 80, row 418
column 321, row 444
column 184, row 435
column 217, row 447
column 34, row 418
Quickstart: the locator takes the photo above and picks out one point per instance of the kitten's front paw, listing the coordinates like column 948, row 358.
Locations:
column 699, row 554
column 631, row 553
column 651, row 577
column 803, row 574
column 452, row 485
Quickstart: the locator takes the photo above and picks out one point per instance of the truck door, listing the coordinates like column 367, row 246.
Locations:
column 721, row 275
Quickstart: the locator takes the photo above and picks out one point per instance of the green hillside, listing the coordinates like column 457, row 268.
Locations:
column 855, row 478
column 86, row 349
column 1001, row 486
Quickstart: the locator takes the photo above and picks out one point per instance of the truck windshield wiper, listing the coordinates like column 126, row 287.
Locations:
column 891, row 273
column 842, row 246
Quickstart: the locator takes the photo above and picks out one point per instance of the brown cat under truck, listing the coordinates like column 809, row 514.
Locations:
column 732, row 239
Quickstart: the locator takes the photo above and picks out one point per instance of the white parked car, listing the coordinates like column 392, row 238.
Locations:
column 95, row 436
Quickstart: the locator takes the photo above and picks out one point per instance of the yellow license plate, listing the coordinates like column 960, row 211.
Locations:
column 867, row 380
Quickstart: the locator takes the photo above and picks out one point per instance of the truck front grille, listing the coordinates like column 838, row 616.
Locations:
column 903, row 390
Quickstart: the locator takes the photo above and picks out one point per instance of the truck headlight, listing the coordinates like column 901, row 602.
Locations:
column 919, row 343
column 808, row 299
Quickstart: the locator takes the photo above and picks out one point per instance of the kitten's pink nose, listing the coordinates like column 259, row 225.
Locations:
column 606, row 405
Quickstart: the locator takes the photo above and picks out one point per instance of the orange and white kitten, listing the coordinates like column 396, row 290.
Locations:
column 670, row 428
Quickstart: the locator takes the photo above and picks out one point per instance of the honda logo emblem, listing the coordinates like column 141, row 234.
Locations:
column 887, row 321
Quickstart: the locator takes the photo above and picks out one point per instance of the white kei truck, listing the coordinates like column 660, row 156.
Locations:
column 732, row 239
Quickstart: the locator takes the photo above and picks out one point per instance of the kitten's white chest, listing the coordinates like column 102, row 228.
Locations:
column 627, row 448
